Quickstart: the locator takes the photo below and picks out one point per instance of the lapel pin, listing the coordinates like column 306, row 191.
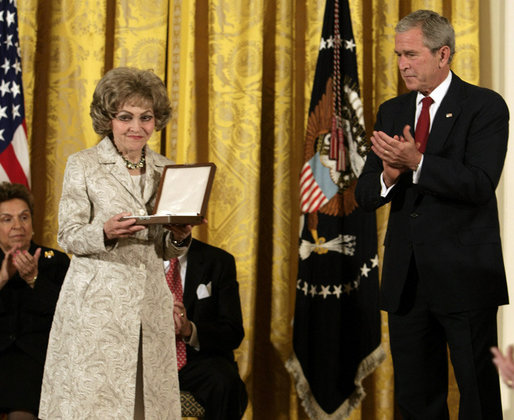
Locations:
column 449, row 115
column 49, row 254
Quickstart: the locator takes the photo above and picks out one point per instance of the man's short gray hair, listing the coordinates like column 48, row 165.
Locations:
column 437, row 30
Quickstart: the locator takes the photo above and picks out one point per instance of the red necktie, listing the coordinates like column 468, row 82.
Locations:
column 175, row 284
column 423, row 125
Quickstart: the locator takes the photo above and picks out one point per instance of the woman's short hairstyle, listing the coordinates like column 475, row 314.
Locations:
column 10, row 191
column 437, row 30
column 123, row 85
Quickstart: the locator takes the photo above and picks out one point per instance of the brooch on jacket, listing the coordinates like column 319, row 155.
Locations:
column 49, row 254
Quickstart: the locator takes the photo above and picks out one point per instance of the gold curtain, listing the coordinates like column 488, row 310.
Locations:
column 239, row 74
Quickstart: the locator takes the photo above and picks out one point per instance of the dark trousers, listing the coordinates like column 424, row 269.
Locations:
column 215, row 383
column 419, row 338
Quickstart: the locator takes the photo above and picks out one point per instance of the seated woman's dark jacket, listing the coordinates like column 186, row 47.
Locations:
column 26, row 313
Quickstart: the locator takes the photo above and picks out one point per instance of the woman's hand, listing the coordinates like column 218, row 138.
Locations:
column 7, row 270
column 179, row 232
column 22, row 262
column 115, row 228
column 27, row 265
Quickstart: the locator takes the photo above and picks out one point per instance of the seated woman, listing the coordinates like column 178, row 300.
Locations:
column 30, row 280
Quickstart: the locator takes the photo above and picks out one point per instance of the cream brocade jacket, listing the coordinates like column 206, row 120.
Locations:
column 111, row 293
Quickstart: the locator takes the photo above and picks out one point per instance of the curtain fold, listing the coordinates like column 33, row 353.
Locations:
column 239, row 74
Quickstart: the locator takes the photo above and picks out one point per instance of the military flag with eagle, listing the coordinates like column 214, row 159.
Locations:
column 336, row 331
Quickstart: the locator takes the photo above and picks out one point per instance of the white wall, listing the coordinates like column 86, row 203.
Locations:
column 496, row 58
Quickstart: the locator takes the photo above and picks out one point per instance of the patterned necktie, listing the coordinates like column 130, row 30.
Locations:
column 423, row 125
column 175, row 284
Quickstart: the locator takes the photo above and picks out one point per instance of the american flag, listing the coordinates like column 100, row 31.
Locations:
column 14, row 152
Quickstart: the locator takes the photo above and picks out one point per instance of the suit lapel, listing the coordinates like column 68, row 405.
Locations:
column 406, row 114
column 445, row 117
column 153, row 176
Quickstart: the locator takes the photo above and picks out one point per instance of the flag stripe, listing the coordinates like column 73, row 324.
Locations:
column 12, row 167
column 315, row 202
column 307, row 182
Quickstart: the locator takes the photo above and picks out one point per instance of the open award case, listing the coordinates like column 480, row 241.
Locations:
column 182, row 196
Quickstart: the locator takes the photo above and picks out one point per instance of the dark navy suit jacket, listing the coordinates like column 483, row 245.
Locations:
column 218, row 318
column 26, row 313
column 448, row 221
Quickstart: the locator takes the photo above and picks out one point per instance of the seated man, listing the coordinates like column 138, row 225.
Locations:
column 209, row 322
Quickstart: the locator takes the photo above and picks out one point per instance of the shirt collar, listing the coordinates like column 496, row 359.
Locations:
column 182, row 260
column 438, row 93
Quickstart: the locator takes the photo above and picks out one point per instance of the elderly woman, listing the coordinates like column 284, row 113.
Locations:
column 30, row 279
column 111, row 352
